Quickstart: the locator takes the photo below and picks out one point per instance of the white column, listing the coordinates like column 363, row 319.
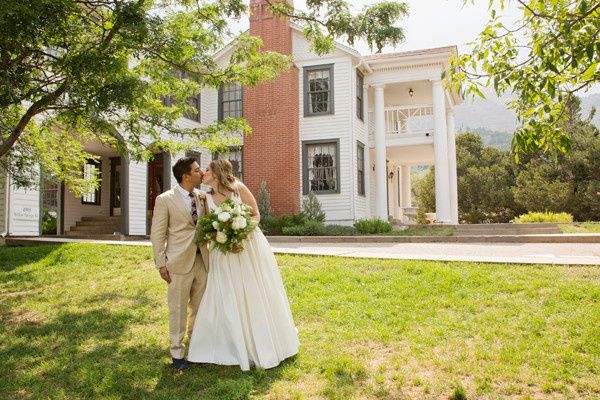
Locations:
column 380, row 155
column 452, row 166
column 406, row 193
column 440, row 147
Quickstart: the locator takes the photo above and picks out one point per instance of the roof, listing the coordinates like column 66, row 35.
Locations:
column 412, row 53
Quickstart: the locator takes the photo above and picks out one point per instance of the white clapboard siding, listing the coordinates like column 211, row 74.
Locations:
column 75, row 210
column 3, row 192
column 24, row 211
column 137, row 198
column 360, row 135
column 338, row 207
column 3, row 210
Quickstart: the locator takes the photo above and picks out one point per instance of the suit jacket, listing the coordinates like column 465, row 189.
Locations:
column 173, row 233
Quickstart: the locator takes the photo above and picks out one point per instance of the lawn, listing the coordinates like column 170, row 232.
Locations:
column 90, row 321
column 580, row 227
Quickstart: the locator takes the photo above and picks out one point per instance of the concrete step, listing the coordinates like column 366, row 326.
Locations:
column 94, row 236
column 100, row 218
column 95, row 229
column 507, row 229
column 96, row 223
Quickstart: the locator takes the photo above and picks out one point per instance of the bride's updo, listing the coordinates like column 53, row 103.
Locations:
column 222, row 171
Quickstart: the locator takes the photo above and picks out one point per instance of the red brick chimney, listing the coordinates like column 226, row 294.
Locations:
column 272, row 152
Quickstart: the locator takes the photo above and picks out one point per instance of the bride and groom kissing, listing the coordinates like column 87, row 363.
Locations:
column 232, row 305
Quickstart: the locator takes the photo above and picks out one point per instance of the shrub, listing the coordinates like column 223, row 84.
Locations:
column 370, row 226
column 534, row 216
column 338, row 230
column 311, row 208
column 308, row 228
column 264, row 201
column 275, row 225
column 49, row 223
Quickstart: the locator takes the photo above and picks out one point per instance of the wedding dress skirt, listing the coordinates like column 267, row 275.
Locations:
column 244, row 317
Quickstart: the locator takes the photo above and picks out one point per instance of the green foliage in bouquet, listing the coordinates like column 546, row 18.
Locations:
column 225, row 227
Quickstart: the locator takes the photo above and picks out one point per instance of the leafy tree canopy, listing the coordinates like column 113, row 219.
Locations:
column 552, row 53
column 73, row 71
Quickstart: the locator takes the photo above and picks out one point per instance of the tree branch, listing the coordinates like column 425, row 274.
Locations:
column 35, row 109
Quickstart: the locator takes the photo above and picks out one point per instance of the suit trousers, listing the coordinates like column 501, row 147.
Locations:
column 183, row 295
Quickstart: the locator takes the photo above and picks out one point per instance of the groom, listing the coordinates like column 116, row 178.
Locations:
column 179, row 262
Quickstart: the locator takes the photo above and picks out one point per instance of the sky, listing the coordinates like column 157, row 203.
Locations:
column 431, row 23
column 434, row 23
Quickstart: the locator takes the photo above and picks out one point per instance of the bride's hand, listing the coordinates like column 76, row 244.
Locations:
column 236, row 250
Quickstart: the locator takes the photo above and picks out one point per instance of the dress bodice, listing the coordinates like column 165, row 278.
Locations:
column 211, row 202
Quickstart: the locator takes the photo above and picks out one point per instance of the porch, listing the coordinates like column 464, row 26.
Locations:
column 411, row 124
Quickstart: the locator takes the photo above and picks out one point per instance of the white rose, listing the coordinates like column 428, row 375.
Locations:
column 221, row 237
column 225, row 207
column 215, row 225
column 239, row 223
column 218, row 210
column 224, row 216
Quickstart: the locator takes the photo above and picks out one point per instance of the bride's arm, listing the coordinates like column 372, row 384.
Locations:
column 249, row 200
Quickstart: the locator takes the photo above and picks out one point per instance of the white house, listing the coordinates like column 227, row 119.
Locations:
column 346, row 126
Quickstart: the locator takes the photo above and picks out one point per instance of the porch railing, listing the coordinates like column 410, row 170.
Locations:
column 405, row 120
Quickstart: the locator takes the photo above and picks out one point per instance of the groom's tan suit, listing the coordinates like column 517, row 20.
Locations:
column 173, row 241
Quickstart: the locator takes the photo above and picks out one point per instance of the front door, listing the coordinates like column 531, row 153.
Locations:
column 155, row 180
column 115, row 186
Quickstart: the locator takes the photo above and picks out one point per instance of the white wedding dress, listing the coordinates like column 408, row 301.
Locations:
column 244, row 317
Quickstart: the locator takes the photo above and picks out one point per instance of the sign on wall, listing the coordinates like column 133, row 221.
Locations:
column 25, row 213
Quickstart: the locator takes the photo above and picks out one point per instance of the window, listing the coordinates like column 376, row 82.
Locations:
column 194, row 101
column 231, row 101
column 235, row 157
column 318, row 90
column 360, row 167
column 91, row 169
column 321, row 166
column 194, row 113
column 359, row 95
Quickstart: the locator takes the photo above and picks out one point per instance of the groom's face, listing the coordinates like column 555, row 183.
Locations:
column 195, row 175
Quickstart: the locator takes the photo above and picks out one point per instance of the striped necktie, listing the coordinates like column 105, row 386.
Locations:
column 194, row 208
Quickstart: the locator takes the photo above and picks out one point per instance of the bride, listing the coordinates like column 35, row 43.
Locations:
column 244, row 318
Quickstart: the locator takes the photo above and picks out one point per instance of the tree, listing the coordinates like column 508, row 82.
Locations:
column 535, row 191
column 264, row 201
column 565, row 182
column 73, row 71
column 551, row 54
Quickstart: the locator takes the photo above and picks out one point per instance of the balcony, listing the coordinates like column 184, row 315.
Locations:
column 405, row 122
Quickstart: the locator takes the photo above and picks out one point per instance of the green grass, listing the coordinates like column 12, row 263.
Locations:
column 90, row 321
column 580, row 227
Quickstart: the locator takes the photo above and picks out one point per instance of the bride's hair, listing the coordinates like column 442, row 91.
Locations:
column 223, row 173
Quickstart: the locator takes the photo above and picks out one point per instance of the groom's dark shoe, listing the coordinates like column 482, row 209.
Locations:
column 180, row 364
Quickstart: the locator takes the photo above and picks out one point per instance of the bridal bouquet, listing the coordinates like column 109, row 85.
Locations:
column 225, row 227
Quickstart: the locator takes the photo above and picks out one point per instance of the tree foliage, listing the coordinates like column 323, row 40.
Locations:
column 75, row 71
column 552, row 53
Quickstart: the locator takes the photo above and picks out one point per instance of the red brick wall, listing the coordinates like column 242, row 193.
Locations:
column 272, row 152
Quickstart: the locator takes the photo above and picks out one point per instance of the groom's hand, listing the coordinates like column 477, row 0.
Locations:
column 164, row 274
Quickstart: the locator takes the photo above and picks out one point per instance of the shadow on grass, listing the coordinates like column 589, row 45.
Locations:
column 105, row 353
column 14, row 257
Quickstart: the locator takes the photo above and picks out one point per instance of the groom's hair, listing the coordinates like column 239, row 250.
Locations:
column 183, row 166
